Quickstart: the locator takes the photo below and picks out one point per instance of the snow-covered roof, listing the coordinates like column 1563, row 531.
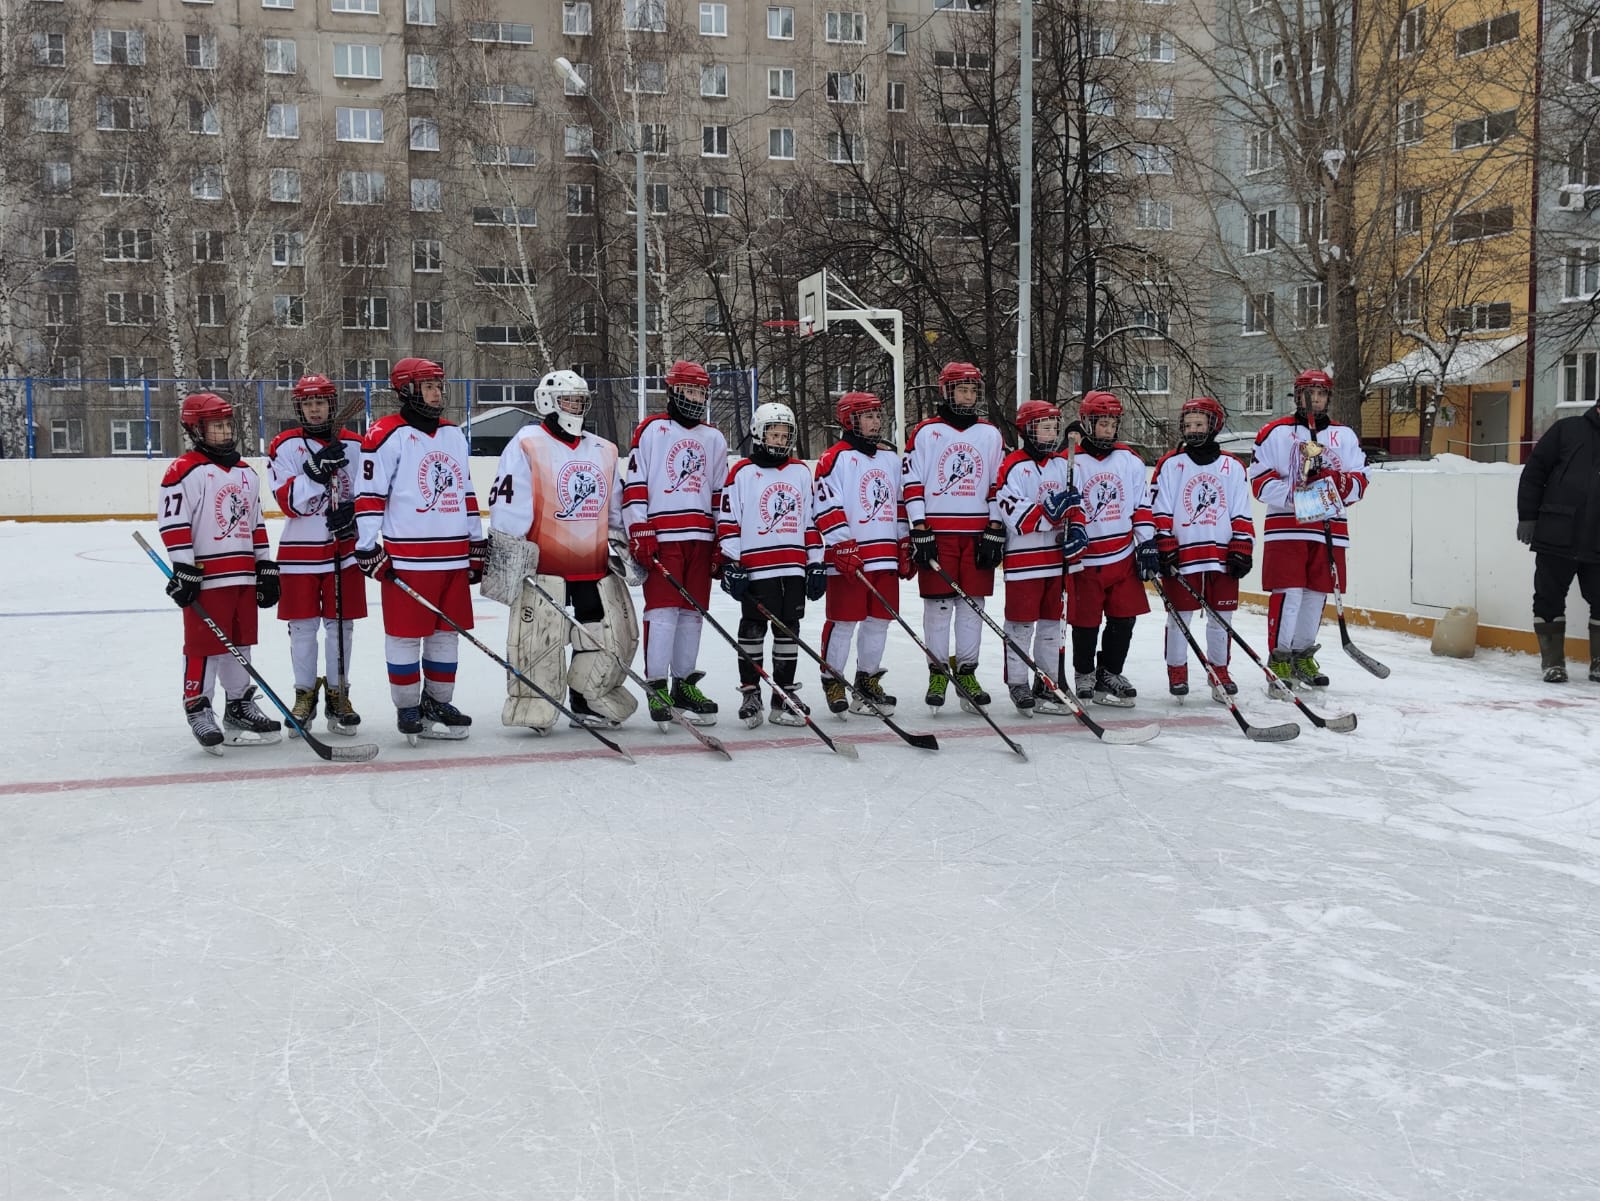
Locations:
column 1472, row 362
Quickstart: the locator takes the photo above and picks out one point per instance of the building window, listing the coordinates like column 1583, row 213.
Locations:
column 1258, row 312
column 130, row 308
column 366, row 312
column 714, row 20
column 517, row 95
column 577, row 19
column 281, row 56
column 843, row 87
column 1408, row 122
column 358, row 124
column 510, row 33
column 118, row 48
column 780, row 83
column 421, row 12
column 127, row 373
column 50, row 115
column 846, row 147
column 1480, row 318
column 288, row 248
column 205, row 183
column 66, row 435
column 1150, row 324
column 1482, row 223
column 1101, row 43
column 1484, row 130
column 427, row 196
column 714, row 141
column 645, row 16
column 360, row 371
column 59, row 244
column 504, row 156
column 357, row 60
column 424, row 133
column 1256, row 395
column 1153, row 378
column 897, row 97
column 283, row 185
column 960, row 60
column 1580, row 273
column 60, row 309
column 1408, row 212
column 1263, row 152
column 1486, row 34
column 211, row 309
column 846, row 28
column 363, row 250
column 1262, row 235
column 780, row 143
column 427, row 255
column 1413, row 31
column 427, row 316
column 422, row 72
column 715, row 201
column 363, row 7
column 578, row 141
column 200, row 51
column 499, row 335
column 1408, row 301
column 1152, row 160
column 585, row 319
column 128, row 436
column 1586, row 56
column 579, row 86
column 1155, row 48
column 1311, row 306
column 580, row 200
column 1580, row 378
column 128, row 245
column 203, row 119
column 1583, row 164
column 289, row 311
column 580, row 258
column 50, row 49
column 1313, row 222
column 1153, row 104
column 653, row 138
column 362, row 187
column 284, row 5
column 512, row 216
column 897, row 37
column 283, row 120
column 714, row 80
column 122, row 114
column 1152, row 214
column 780, row 23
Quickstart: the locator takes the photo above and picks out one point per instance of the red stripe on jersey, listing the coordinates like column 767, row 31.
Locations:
column 677, row 523
column 831, row 519
column 177, row 537
column 773, row 556
column 635, row 494
column 366, row 503
column 955, row 523
column 1262, row 480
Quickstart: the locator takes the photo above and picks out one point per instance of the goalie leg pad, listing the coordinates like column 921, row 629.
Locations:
column 535, row 638
column 598, row 675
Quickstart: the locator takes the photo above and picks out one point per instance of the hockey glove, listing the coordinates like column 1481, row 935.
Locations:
column 1147, row 560
column 268, row 587
column 847, row 557
column 924, row 546
column 1169, row 558
column 342, row 521
column 816, row 581
column 1239, row 564
column 477, row 559
column 324, row 461
column 184, row 586
column 1056, row 504
column 907, row 565
column 991, row 547
column 374, row 563
column 1074, row 542
column 642, row 543
column 1524, row 534
column 735, row 580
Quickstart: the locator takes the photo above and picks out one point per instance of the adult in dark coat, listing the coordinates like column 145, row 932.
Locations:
column 1558, row 515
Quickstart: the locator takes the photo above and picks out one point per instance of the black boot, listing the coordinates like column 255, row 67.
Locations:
column 1552, row 637
column 1594, row 651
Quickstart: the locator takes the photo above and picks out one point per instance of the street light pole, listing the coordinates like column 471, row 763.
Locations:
column 570, row 74
column 1025, row 210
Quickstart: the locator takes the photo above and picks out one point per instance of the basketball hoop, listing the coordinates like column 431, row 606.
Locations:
column 805, row 328
column 781, row 324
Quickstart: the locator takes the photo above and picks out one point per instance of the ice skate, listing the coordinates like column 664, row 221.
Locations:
column 304, row 708
column 1083, row 683
column 342, row 717
column 750, row 705
column 870, row 685
column 1224, row 688
column 1046, row 701
column 660, row 702
column 691, row 702
column 938, row 682
column 1112, row 688
column 203, row 725
column 785, row 713
column 245, row 725
column 1178, row 680
column 442, row 720
column 1303, row 663
column 410, row 723
column 834, row 693
column 583, row 715
column 1022, row 697
column 973, row 697
column 1282, row 667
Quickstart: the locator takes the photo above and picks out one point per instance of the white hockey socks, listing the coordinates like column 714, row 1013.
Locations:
column 661, row 641
column 836, row 645
column 870, row 642
column 685, row 644
column 969, row 631
column 936, row 612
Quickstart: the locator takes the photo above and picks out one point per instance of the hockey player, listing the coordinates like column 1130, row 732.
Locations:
column 312, row 470
column 211, row 525
column 949, row 467
column 670, row 501
column 1204, row 533
column 1105, row 582
column 556, row 487
column 417, row 520
column 862, row 519
column 772, row 555
column 1308, row 470
column 1043, row 514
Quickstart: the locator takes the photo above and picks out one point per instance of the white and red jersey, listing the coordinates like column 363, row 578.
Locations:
column 858, row 496
column 563, row 495
column 1116, row 503
column 1033, row 541
column 674, row 479
column 949, row 475
column 415, row 493
column 1202, row 509
column 305, row 546
column 1276, row 469
column 768, row 521
column 211, row 517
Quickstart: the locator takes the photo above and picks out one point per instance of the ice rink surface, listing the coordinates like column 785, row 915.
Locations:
column 1344, row 967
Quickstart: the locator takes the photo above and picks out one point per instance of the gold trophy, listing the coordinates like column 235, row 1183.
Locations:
column 1310, row 452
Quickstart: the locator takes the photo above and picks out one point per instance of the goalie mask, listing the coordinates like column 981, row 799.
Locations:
column 563, row 396
column 771, row 435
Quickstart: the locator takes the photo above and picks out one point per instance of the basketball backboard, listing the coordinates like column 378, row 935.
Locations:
column 813, row 310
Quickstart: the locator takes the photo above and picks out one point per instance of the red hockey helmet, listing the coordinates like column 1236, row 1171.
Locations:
column 1313, row 379
column 406, row 379
column 959, row 373
column 1209, row 408
column 199, row 408
column 1099, row 404
column 852, row 405
column 315, row 387
column 681, row 404
column 1307, row 382
column 1031, row 416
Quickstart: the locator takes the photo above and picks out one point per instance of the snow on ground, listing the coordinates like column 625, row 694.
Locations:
column 1343, row 967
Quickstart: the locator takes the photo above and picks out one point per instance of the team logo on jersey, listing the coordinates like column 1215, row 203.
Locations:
column 957, row 471
column 439, row 480
column 1102, row 498
column 580, row 496
column 230, row 510
column 686, row 466
column 874, row 495
column 1202, row 500
column 779, row 509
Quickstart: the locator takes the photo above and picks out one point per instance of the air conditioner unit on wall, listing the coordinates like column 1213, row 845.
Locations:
column 1571, row 197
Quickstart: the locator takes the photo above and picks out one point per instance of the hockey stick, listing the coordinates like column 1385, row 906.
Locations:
column 706, row 740
column 336, row 428
column 1136, row 734
column 1350, row 648
column 837, row 746
column 1280, row 733
column 505, row 663
column 1341, row 723
column 923, row 742
column 359, row 753
column 933, row 660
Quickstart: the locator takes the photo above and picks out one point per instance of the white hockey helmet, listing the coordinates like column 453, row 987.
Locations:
column 765, row 418
column 566, row 395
